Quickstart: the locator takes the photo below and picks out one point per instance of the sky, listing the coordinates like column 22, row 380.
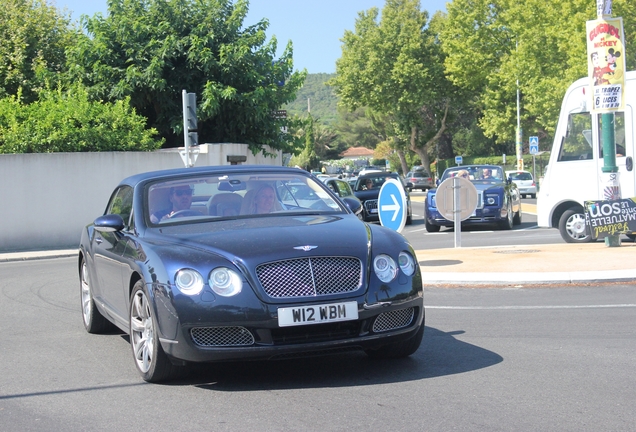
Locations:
column 311, row 25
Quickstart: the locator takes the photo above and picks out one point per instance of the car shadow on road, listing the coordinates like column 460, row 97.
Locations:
column 440, row 354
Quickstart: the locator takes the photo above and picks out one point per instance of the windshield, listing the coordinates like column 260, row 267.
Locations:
column 475, row 172
column 373, row 182
column 206, row 197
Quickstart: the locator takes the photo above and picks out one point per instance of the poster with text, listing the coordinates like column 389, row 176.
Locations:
column 611, row 217
column 606, row 63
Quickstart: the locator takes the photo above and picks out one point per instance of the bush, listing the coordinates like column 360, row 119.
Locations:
column 68, row 122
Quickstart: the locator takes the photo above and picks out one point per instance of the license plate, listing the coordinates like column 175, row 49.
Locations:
column 374, row 210
column 317, row 314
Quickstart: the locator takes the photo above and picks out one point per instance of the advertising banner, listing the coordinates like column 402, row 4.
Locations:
column 606, row 63
column 611, row 217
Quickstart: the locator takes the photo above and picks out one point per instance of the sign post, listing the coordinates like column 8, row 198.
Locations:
column 456, row 200
column 534, row 149
column 606, row 70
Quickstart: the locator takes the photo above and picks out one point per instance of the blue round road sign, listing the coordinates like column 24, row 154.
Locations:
column 392, row 205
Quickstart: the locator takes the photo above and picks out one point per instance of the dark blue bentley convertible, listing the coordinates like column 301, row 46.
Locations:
column 498, row 199
column 245, row 262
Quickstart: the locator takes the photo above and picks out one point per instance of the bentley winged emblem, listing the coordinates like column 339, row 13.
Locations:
column 306, row 248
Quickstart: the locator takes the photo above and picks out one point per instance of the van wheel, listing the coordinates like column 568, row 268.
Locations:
column 573, row 228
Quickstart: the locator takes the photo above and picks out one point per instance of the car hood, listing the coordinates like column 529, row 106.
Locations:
column 273, row 237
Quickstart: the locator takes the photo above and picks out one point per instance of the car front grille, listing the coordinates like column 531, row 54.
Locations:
column 393, row 320
column 480, row 199
column 223, row 336
column 370, row 205
column 310, row 277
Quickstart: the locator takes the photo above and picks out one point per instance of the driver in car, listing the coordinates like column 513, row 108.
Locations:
column 181, row 199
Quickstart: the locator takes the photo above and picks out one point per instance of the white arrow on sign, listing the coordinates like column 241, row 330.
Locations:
column 395, row 207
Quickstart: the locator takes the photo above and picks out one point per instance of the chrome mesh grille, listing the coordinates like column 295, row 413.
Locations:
column 221, row 336
column 393, row 320
column 371, row 205
column 307, row 277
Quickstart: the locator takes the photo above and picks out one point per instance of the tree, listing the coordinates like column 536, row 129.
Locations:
column 34, row 37
column 395, row 67
column 307, row 159
column 151, row 50
column 490, row 44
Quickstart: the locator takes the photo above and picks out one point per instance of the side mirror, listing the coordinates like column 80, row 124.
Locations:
column 109, row 223
column 354, row 205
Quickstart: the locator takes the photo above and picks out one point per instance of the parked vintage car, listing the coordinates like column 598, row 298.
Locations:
column 245, row 262
column 524, row 181
column 368, row 194
column 498, row 199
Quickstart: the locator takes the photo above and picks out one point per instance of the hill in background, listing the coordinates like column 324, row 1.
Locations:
column 322, row 99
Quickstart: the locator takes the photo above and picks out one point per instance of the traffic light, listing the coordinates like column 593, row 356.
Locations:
column 190, row 131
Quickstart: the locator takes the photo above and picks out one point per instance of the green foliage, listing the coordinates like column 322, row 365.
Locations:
column 69, row 122
column 34, row 37
column 393, row 66
column 318, row 97
column 490, row 44
column 151, row 50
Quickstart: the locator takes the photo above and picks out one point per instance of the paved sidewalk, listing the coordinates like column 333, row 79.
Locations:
column 529, row 264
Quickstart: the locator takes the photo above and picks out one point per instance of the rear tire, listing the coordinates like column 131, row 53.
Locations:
column 573, row 228
column 94, row 321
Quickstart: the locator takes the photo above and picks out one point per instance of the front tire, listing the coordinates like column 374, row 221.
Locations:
column 573, row 228
column 517, row 218
column 151, row 361
column 94, row 321
column 507, row 223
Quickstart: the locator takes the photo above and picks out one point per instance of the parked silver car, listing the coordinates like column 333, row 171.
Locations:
column 524, row 181
column 420, row 179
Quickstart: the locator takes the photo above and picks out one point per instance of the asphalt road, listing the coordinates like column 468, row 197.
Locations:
column 492, row 359
column 482, row 235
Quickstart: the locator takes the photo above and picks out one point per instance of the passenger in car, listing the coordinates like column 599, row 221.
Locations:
column 260, row 201
column 463, row 174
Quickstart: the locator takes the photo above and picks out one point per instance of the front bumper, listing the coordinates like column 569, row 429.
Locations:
column 486, row 215
column 266, row 340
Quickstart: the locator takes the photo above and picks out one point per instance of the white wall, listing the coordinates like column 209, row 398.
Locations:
column 47, row 198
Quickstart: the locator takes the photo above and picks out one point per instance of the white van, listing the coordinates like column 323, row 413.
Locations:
column 574, row 171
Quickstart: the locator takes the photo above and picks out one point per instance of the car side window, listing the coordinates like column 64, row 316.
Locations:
column 343, row 189
column 121, row 204
column 577, row 144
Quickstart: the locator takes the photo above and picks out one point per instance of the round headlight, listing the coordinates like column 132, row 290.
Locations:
column 225, row 282
column 385, row 268
column 407, row 263
column 189, row 281
column 490, row 200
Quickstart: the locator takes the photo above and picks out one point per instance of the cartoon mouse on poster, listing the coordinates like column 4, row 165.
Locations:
column 612, row 74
